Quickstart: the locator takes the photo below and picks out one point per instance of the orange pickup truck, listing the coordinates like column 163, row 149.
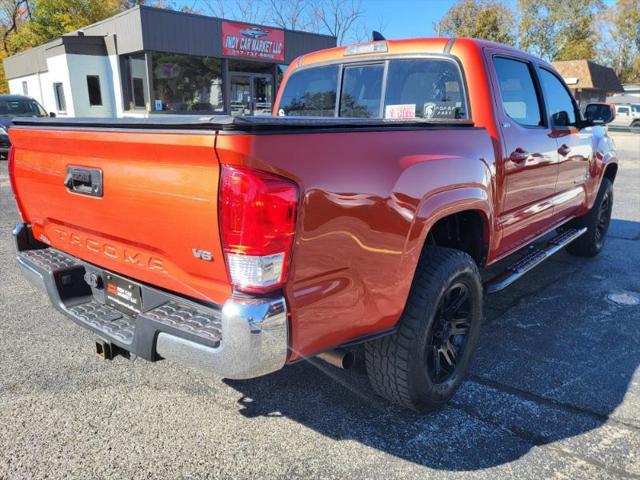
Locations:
column 364, row 211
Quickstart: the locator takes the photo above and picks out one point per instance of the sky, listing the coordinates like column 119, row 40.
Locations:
column 401, row 18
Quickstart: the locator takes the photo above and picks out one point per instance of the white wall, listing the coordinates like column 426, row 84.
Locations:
column 79, row 67
column 59, row 73
column 33, row 86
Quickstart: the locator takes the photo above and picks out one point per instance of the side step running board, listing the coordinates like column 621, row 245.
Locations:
column 534, row 258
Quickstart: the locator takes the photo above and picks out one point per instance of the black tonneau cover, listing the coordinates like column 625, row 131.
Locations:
column 241, row 124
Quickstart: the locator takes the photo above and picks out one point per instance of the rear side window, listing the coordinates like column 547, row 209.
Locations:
column 558, row 100
column 415, row 88
column 432, row 88
column 311, row 92
column 624, row 110
column 519, row 98
column 361, row 91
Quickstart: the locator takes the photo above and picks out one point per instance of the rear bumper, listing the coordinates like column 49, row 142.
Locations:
column 244, row 338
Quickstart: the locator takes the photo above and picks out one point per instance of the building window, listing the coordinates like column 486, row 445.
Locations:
column 25, row 88
column 58, row 92
column 134, row 82
column 187, row 84
column 93, row 86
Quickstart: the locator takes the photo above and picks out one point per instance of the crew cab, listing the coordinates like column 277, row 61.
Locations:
column 365, row 211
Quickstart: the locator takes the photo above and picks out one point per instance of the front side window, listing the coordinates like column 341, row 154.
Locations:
column 635, row 108
column 93, row 86
column 430, row 88
column 311, row 93
column 58, row 92
column 559, row 103
column 361, row 91
column 186, row 83
column 519, row 98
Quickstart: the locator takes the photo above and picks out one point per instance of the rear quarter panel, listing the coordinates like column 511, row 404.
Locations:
column 367, row 200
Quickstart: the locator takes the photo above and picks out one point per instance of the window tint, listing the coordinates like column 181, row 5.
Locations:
column 361, row 91
column 93, row 85
column 635, row 108
column 58, row 91
column 624, row 110
column 518, row 92
column 311, row 92
column 431, row 88
column 558, row 100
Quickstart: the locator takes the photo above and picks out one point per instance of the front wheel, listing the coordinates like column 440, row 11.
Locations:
column 597, row 223
column 422, row 364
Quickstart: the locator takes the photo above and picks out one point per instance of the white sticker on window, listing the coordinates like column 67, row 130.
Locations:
column 400, row 111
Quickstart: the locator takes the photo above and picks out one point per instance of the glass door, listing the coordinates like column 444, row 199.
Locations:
column 251, row 94
column 263, row 94
column 241, row 98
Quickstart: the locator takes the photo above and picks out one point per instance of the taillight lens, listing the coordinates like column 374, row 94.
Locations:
column 257, row 222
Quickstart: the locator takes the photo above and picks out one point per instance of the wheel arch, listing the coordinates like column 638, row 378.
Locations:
column 610, row 171
column 460, row 218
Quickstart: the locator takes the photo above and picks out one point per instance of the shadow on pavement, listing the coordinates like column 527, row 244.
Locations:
column 556, row 359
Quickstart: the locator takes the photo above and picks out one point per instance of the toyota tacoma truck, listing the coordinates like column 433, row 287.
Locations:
column 364, row 211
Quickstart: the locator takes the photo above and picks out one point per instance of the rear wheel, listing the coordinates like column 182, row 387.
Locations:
column 597, row 222
column 424, row 362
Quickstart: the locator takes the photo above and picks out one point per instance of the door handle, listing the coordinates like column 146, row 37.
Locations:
column 519, row 155
column 564, row 150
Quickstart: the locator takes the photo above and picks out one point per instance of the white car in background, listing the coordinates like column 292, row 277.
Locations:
column 627, row 116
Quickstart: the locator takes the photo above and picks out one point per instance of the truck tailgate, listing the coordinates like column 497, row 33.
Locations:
column 157, row 218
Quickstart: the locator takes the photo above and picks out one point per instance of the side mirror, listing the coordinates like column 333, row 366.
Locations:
column 52, row 114
column 599, row 113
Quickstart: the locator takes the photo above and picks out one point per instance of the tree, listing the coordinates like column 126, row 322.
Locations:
column 620, row 43
column 485, row 19
column 338, row 18
column 557, row 30
column 52, row 18
column 292, row 15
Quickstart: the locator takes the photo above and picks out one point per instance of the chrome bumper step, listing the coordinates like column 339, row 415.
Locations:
column 532, row 259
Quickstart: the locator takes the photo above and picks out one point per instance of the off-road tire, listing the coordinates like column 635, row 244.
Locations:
column 397, row 364
column 597, row 222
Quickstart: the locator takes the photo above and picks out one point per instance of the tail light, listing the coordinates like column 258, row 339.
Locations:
column 257, row 222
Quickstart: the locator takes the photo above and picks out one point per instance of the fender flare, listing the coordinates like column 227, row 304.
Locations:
column 439, row 205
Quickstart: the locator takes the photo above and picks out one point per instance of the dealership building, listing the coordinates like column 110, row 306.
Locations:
column 148, row 61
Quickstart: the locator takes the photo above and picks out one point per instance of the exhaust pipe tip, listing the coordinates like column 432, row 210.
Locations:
column 339, row 358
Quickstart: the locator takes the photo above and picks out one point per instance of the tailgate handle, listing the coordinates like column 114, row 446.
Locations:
column 85, row 181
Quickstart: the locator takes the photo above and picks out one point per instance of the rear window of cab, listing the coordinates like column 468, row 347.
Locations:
column 428, row 88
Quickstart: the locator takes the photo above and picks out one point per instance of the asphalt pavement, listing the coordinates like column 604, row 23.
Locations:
column 554, row 392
